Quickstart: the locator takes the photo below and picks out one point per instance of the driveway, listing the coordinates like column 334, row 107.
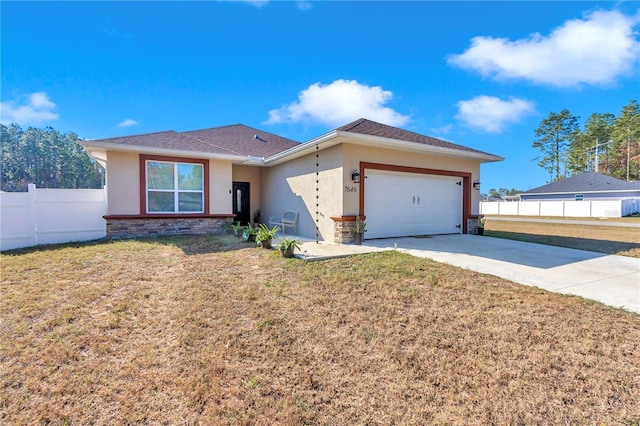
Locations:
column 612, row 280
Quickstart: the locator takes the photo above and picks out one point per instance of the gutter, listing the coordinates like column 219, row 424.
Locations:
column 339, row 136
column 335, row 136
column 416, row 146
column 300, row 150
column 160, row 151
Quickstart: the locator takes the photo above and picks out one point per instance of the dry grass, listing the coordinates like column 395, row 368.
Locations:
column 197, row 330
column 602, row 239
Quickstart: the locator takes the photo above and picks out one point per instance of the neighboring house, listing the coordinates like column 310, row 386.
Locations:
column 192, row 182
column 585, row 186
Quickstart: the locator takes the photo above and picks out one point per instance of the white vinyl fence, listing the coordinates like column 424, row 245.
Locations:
column 51, row 216
column 586, row 208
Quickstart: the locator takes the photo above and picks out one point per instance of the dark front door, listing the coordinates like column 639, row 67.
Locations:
column 241, row 207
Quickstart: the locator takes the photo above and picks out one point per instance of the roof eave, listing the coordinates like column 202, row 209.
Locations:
column 138, row 149
column 302, row 149
column 363, row 139
column 599, row 191
column 335, row 137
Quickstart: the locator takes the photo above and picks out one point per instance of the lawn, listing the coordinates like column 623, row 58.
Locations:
column 623, row 241
column 205, row 330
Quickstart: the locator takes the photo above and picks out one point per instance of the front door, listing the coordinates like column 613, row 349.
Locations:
column 241, row 207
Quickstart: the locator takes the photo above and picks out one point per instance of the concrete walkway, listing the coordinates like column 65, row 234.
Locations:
column 612, row 280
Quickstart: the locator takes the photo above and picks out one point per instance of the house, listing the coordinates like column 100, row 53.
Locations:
column 404, row 183
column 584, row 186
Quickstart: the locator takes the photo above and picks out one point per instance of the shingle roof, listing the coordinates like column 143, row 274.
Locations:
column 236, row 139
column 244, row 140
column 372, row 128
column 586, row 182
column 241, row 140
column 167, row 140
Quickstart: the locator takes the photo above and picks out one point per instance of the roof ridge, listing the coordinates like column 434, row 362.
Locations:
column 436, row 141
column 209, row 143
column 132, row 136
column 255, row 129
column 349, row 126
column 214, row 127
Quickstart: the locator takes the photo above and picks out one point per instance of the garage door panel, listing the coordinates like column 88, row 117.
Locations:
column 404, row 204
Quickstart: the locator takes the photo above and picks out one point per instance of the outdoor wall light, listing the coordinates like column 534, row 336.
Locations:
column 476, row 185
column 355, row 176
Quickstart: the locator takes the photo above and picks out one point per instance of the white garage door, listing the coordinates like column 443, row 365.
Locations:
column 401, row 204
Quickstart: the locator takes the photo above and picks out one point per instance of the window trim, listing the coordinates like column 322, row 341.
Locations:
column 143, row 158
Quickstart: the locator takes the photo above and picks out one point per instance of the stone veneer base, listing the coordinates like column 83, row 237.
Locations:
column 119, row 228
column 472, row 225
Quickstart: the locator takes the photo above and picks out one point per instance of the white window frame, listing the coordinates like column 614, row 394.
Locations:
column 175, row 190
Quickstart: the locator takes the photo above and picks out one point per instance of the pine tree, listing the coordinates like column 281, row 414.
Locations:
column 46, row 158
column 626, row 142
column 589, row 149
column 554, row 134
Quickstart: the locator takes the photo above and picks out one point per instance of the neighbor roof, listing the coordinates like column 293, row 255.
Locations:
column 236, row 139
column 372, row 128
column 586, row 182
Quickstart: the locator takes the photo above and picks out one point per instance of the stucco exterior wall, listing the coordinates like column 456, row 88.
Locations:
column 292, row 186
column 220, row 186
column 354, row 154
column 123, row 183
column 251, row 175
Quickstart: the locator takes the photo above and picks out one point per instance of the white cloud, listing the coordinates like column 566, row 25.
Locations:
column 303, row 5
column 594, row 50
column 256, row 3
column 491, row 114
column 443, row 130
column 339, row 103
column 127, row 122
column 36, row 109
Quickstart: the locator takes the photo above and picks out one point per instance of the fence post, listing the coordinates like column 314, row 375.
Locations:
column 105, row 199
column 33, row 225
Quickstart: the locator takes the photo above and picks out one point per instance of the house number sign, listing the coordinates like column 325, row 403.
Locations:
column 350, row 189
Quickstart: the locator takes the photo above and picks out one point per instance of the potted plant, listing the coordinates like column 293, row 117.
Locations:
column 265, row 235
column 249, row 233
column 481, row 220
column 236, row 227
column 288, row 245
column 358, row 234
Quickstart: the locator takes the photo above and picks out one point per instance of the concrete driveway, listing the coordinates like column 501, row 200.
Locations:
column 613, row 280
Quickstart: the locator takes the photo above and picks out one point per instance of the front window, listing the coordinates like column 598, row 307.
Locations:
column 174, row 187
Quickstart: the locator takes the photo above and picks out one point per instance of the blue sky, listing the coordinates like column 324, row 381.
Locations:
column 480, row 74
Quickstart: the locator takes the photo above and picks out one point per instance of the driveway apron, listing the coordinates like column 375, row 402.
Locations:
column 612, row 280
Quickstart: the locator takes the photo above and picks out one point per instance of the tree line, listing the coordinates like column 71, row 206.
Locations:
column 606, row 144
column 47, row 158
